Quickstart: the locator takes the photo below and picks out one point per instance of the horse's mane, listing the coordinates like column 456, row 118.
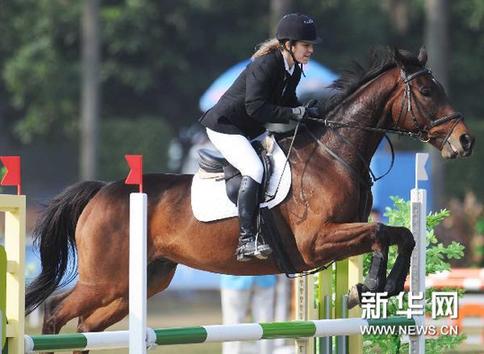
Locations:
column 379, row 60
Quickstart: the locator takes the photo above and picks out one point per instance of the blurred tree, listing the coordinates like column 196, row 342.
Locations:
column 149, row 137
column 90, row 97
column 399, row 14
column 437, row 43
column 278, row 9
column 153, row 53
column 466, row 78
column 39, row 65
column 160, row 56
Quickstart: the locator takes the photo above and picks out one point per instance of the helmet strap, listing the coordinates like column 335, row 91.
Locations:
column 292, row 55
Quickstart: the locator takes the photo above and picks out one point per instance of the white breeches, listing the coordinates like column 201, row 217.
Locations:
column 239, row 153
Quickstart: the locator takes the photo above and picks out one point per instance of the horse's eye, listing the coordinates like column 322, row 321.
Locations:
column 425, row 91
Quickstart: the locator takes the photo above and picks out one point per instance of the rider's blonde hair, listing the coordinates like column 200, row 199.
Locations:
column 266, row 47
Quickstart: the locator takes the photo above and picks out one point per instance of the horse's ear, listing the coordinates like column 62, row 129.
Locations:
column 422, row 56
column 398, row 57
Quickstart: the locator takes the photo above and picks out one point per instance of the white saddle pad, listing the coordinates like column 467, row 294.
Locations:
column 209, row 198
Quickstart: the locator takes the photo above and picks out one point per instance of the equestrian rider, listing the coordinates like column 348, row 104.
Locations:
column 265, row 92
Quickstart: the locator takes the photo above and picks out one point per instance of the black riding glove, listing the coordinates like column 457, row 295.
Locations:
column 298, row 113
column 313, row 112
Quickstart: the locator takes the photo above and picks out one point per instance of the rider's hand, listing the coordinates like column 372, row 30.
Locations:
column 299, row 113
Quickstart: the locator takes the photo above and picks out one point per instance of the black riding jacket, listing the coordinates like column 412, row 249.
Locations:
column 263, row 93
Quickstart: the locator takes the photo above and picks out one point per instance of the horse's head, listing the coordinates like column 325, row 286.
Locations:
column 423, row 107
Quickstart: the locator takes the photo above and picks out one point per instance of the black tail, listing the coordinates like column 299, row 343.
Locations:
column 54, row 235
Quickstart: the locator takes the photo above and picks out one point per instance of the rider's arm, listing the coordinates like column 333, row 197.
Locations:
column 259, row 85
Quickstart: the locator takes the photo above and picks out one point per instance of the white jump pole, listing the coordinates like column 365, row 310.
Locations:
column 137, row 258
column 137, row 272
column 418, row 219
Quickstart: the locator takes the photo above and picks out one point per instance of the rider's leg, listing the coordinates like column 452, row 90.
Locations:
column 248, row 204
column 239, row 153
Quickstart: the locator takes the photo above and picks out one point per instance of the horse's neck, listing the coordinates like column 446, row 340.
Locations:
column 367, row 108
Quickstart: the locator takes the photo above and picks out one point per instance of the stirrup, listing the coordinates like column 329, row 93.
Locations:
column 263, row 250
column 246, row 249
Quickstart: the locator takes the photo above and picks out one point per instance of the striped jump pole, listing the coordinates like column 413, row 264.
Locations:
column 215, row 333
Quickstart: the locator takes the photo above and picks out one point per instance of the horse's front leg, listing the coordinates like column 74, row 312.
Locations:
column 340, row 241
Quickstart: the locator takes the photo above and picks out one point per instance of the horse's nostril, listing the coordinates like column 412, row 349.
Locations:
column 467, row 141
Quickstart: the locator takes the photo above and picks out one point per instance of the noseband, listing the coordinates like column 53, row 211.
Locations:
column 423, row 131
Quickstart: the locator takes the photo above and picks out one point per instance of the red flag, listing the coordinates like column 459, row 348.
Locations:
column 135, row 176
column 12, row 173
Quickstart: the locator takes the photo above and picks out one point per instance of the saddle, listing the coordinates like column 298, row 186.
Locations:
column 212, row 162
column 272, row 227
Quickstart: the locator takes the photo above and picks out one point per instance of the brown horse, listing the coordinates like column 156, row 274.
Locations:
column 326, row 209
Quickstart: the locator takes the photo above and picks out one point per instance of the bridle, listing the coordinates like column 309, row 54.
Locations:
column 423, row 131
column 422, row 134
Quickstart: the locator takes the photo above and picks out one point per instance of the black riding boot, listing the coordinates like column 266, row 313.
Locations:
column 250, row 244
column 248, row 203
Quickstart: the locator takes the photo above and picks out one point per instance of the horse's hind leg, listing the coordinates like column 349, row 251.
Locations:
column 103, row 317
column 160, row 274
column 79, row 301
column 49, row 307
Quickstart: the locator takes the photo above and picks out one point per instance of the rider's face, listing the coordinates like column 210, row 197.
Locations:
column 302, row 51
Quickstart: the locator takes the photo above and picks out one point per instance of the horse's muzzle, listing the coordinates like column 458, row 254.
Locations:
column 456, row 147
column 467, row 143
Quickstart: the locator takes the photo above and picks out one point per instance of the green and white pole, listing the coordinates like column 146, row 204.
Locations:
column 213, row 333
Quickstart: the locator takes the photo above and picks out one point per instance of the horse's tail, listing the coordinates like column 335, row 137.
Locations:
column 55, row 236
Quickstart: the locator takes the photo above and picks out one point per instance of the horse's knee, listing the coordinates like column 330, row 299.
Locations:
column 380, row 238
column 403, row 238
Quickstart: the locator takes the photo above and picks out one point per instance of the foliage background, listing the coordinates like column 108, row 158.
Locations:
column 158, row 57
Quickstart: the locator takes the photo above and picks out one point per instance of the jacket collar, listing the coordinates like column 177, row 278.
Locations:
column 282, row 62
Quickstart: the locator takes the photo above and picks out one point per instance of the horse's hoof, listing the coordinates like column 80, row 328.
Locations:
column 353, row 298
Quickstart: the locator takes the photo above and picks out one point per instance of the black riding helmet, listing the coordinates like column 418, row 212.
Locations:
column 297, row 27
